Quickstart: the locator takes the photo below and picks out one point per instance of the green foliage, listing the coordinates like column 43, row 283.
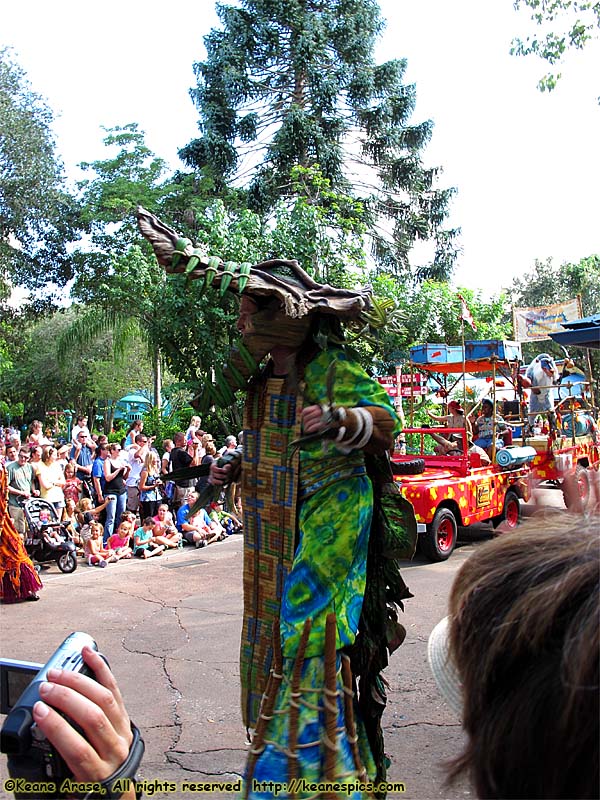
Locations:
column 322, row 229
column 119, row 184
column 41, row 382
column 549, row 283
column 431, row 313
column 163, row 426
column 564, row 25
column 38, row 218
column 287, row 85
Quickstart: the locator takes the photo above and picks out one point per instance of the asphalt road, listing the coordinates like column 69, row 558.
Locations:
column 170, row 628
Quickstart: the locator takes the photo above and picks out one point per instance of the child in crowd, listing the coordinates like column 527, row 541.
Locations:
column 69, row 518
column 144, row 543
column 50, row 534
column 86, row 506
column 95, row 553
column 119, row 541
column 165, row 462
column 229, row 522
column 129, row 516
column 72, row 487
column 86, row 513
column 193, row 429
column 164, row 525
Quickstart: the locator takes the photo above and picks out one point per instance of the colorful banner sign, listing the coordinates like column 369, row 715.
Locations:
column 390, row 384
column 535, row 324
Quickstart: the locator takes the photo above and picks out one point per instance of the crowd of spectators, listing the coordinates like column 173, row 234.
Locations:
column 116, row 498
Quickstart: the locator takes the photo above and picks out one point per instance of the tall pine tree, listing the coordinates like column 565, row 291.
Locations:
column 291, row 83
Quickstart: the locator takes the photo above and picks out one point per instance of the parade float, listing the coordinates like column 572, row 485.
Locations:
column 453, row 489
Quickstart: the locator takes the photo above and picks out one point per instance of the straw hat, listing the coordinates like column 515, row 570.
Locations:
column 444, row 670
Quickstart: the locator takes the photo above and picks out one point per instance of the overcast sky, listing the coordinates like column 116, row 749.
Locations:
column 525, row 164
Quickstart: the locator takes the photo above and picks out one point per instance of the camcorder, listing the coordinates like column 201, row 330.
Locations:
column 30, row 754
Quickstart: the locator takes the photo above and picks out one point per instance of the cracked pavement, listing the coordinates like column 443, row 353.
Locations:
column 170, row 629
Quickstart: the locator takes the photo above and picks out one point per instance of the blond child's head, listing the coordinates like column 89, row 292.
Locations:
column 125, row 528
column 96, row 530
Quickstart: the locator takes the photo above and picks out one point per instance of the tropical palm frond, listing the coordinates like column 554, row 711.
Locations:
column 92, row 324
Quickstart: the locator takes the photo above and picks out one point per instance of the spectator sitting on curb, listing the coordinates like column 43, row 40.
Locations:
column 144, row 543
column 164, row 525
column 196, row 530
column 95, row 553
column 231, row 524
column 119, row 541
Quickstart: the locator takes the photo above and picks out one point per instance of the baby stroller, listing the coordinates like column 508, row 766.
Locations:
column 47, row 538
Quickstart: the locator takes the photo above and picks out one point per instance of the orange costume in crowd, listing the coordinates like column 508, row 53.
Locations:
column 18, row 578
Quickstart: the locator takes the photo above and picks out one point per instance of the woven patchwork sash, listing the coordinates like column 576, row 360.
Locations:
column 269, row 493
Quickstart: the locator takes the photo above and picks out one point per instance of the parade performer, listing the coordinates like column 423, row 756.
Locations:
column 321, row 586
column 18, row 578
column 542, row 374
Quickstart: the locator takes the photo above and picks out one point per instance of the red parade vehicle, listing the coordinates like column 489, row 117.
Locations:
column 456, row 489
column 448, row 491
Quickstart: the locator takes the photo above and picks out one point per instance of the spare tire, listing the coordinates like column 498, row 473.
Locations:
column 413, row 467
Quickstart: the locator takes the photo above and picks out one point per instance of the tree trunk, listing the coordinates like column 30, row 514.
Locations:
column 157, row 378
column 91, row 412
column 109, row 417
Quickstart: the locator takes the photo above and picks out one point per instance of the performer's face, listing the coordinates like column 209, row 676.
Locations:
column 247, row 308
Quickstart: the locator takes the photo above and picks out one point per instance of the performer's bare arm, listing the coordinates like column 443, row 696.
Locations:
column 372, row 435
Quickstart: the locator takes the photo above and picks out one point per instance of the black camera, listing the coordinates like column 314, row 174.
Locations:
column 30, row 754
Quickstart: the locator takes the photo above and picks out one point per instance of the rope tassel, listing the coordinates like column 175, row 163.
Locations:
column 295, row 707
column 267, row 707
column 330, row 701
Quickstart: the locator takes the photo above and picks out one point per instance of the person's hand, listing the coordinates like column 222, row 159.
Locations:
column 218, row 475
column 97, row 707
column 312, row 419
